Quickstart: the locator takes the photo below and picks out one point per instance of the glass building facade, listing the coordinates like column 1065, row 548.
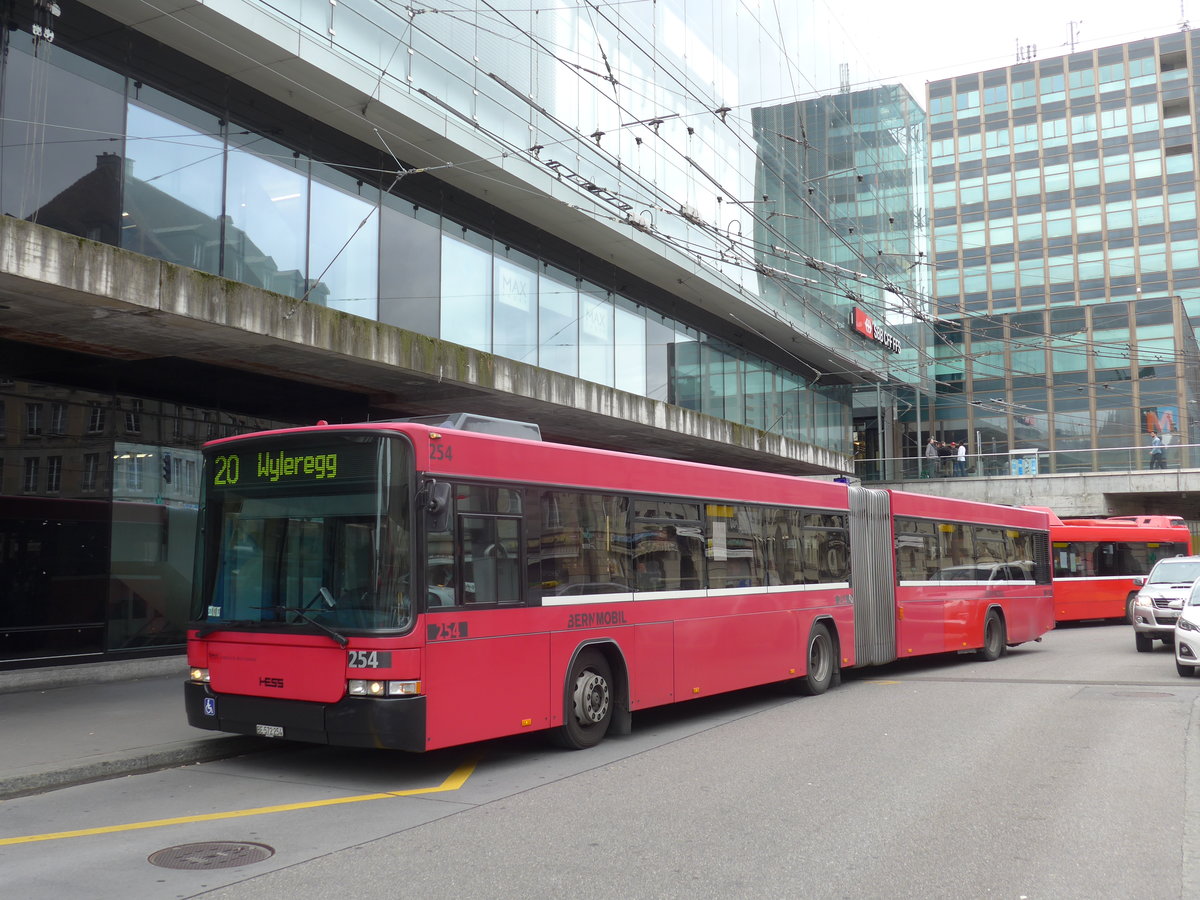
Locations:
column 588, row 190
column 850, row 174
column 1063, row 195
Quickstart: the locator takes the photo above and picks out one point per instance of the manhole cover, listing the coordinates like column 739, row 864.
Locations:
column 211, row 855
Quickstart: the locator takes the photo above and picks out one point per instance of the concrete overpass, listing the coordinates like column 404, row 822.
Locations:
column 233, row 345
column 1149, row 492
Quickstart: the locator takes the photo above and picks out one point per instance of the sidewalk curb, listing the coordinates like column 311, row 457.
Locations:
column 139, row 762
column 15, row 681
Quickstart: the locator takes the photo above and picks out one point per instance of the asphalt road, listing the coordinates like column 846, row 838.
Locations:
column 1066, row 769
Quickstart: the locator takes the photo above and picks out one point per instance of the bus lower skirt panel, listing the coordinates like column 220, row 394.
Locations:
column 395, row 723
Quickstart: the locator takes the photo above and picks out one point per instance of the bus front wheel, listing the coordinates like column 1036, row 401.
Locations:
column 821, row 661
column 993, row 638
column 588, row 702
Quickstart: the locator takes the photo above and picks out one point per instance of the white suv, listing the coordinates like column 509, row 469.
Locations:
column 1157, row 604
column 1187, row 635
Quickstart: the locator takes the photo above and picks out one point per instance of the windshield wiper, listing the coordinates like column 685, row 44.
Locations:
column 302, row 612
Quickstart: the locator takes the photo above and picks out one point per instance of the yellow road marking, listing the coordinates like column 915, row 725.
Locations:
column 453, row 782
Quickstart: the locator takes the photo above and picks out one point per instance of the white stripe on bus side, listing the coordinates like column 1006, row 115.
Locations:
column 640, row 596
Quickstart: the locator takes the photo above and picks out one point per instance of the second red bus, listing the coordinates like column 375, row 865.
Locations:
column 1100, row 564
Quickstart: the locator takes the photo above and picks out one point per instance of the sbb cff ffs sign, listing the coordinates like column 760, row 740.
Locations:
column 865, row 325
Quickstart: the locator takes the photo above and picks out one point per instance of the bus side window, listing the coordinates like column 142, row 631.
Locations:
column 491, row 560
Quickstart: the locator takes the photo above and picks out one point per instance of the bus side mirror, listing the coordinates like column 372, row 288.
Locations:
column 437, row 507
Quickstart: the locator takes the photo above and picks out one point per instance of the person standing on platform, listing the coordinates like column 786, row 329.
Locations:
column 931, row 458
column 960, row 462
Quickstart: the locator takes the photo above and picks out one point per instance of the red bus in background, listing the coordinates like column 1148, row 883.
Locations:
column 1100, row 564
column 414, row 586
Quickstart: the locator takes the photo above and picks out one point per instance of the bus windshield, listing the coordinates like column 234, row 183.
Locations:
column 306, row 531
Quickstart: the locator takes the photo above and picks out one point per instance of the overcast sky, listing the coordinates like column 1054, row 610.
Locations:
column 924, row 40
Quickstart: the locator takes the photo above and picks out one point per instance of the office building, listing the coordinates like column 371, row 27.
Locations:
column 1064, row 228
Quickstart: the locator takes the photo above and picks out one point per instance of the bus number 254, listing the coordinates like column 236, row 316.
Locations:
column 369, row 659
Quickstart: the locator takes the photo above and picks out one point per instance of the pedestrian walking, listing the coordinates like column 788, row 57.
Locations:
column 1156, row 452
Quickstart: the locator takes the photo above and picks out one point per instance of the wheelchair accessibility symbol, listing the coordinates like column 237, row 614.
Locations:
column 210, row 706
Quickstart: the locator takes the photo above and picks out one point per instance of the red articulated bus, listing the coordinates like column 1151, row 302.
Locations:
column 1100, row 564
column 415, row 586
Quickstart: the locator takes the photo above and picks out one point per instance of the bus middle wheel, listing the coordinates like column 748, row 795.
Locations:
column 821, row 662
column 993, row 638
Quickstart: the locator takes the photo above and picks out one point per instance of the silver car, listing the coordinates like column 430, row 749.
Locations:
column 1157, row 605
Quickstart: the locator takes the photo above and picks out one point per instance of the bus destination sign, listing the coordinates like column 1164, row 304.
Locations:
column 298, row 465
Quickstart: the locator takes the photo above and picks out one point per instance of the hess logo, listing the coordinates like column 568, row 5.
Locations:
column 269, row 682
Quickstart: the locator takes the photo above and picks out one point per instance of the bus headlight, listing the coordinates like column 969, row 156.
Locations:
column 363, row 688
column 199, row 676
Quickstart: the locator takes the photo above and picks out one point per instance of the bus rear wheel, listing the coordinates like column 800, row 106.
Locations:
column 993, row 638
column 821, row 662
column 588, row 702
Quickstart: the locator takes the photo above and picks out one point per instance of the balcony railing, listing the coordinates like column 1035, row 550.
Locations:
column 1029, row 462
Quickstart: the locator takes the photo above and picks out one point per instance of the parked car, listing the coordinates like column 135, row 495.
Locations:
column 1157, row 605
column 1187, row 635
column 1010, row 571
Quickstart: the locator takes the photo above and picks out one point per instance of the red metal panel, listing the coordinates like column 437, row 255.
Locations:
column 724, row 653
column 485, row 687
column 279, row 670
column 921, row 619
column 930, row 507
column 1092, row 598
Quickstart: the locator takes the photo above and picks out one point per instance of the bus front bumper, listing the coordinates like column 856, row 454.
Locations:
column 393, row 723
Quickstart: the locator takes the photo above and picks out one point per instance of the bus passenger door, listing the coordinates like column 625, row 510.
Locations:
column 485, row 673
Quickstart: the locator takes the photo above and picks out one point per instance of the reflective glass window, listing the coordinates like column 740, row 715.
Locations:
column 736, row 546
column 516, row 306
column 343, row 250
column 595, row 336
column 1179, row 162
column 70, row 119
column 632, row 366
column 172, row 202
column 558, row 322
column 266, row 207
column 586, row 545
column 410, row 268
column 466, row 313
column 660, row 339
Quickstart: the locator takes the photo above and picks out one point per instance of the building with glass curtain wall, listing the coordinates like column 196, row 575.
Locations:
column 1063, row 195
column 849, row 171
column 565, row 207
